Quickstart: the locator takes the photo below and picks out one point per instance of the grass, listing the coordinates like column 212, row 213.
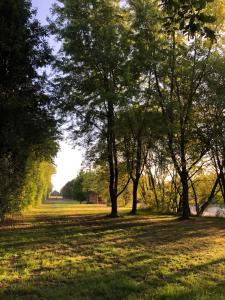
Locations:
column 67, row 251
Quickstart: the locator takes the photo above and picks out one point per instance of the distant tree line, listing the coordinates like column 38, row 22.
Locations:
column 92, row 181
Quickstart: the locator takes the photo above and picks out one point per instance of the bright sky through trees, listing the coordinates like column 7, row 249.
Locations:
column 68, row 161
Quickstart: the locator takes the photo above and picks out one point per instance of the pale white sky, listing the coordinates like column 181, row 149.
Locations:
column 68, row 161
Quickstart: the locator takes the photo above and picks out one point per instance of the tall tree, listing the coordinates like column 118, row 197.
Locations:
column 176, row 56
column 94, row 73
column 211, row 112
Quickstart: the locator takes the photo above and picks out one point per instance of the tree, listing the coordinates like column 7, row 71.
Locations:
column 26, row 124
column 140, row 127
column 177, row 65
column 94, row 74
column 211, row 129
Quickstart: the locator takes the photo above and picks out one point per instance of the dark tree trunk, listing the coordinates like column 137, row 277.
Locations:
column 116, row 176
column 113, row 172
column 137, row 176
column 114, row 210
column 179, row 209
column 184, row 176
column 220, row 164
column 222, row 186
column 113, row 196
column 195, row 197
column 211, row 196
column 185, row 195
column 135, row 189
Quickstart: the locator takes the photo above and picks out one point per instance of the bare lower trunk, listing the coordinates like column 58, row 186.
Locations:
column 211, row 196
column 113, row 171
column 152, row 182
column 185, row 196
column 134, row 204
column 195, row 197
column 222, row 186
column 137, row 176
column 114, row 210
column 112, row 188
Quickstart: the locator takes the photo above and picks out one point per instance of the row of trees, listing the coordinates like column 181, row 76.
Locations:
column 28, row 129
column 93, row 181
column 159, row 190
column 141, row 85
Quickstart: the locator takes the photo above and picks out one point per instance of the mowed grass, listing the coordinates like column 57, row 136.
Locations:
column 69, row 251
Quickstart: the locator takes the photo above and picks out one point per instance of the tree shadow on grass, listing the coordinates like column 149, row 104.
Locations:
column 96, row 258
column 113, row 283
column 87, row 229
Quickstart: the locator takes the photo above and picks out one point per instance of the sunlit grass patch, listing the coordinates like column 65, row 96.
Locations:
column 71, row 251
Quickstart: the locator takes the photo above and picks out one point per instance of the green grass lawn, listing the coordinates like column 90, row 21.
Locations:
column 64, row 251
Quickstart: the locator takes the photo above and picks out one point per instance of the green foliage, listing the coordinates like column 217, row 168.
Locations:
column 37, row 186
column 27, row 126
column 189, row 16
column 87, row 181
column 74, row 189
column 95, row 181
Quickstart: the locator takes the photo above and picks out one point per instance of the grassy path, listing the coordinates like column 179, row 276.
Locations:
column 67, row 251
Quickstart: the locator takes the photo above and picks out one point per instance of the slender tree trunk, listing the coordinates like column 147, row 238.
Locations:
column 113, row 174
column 222, row 186
column 184, row 173
column 112, row 192
column 211, row 196
column 195, row 196
column 220, row 164
column 175, row 189
column 152, row 182
column 137, row 176
column 134, row 203
column 116, row 171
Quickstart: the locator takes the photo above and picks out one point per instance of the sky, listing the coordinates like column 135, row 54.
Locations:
column 68, row 161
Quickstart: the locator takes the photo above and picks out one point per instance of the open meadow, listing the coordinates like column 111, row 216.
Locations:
column 73, row 252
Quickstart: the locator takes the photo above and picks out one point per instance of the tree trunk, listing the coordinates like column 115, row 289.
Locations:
column 135, row 189
column 152, row 182
column 220, row 164
column 185, row 195
column 137, row 176
column 112, row 192
column 113, row 174
column 179, row 209
column 195, row 197
column 211, row 196
column 114, row 210
column 222, row 185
